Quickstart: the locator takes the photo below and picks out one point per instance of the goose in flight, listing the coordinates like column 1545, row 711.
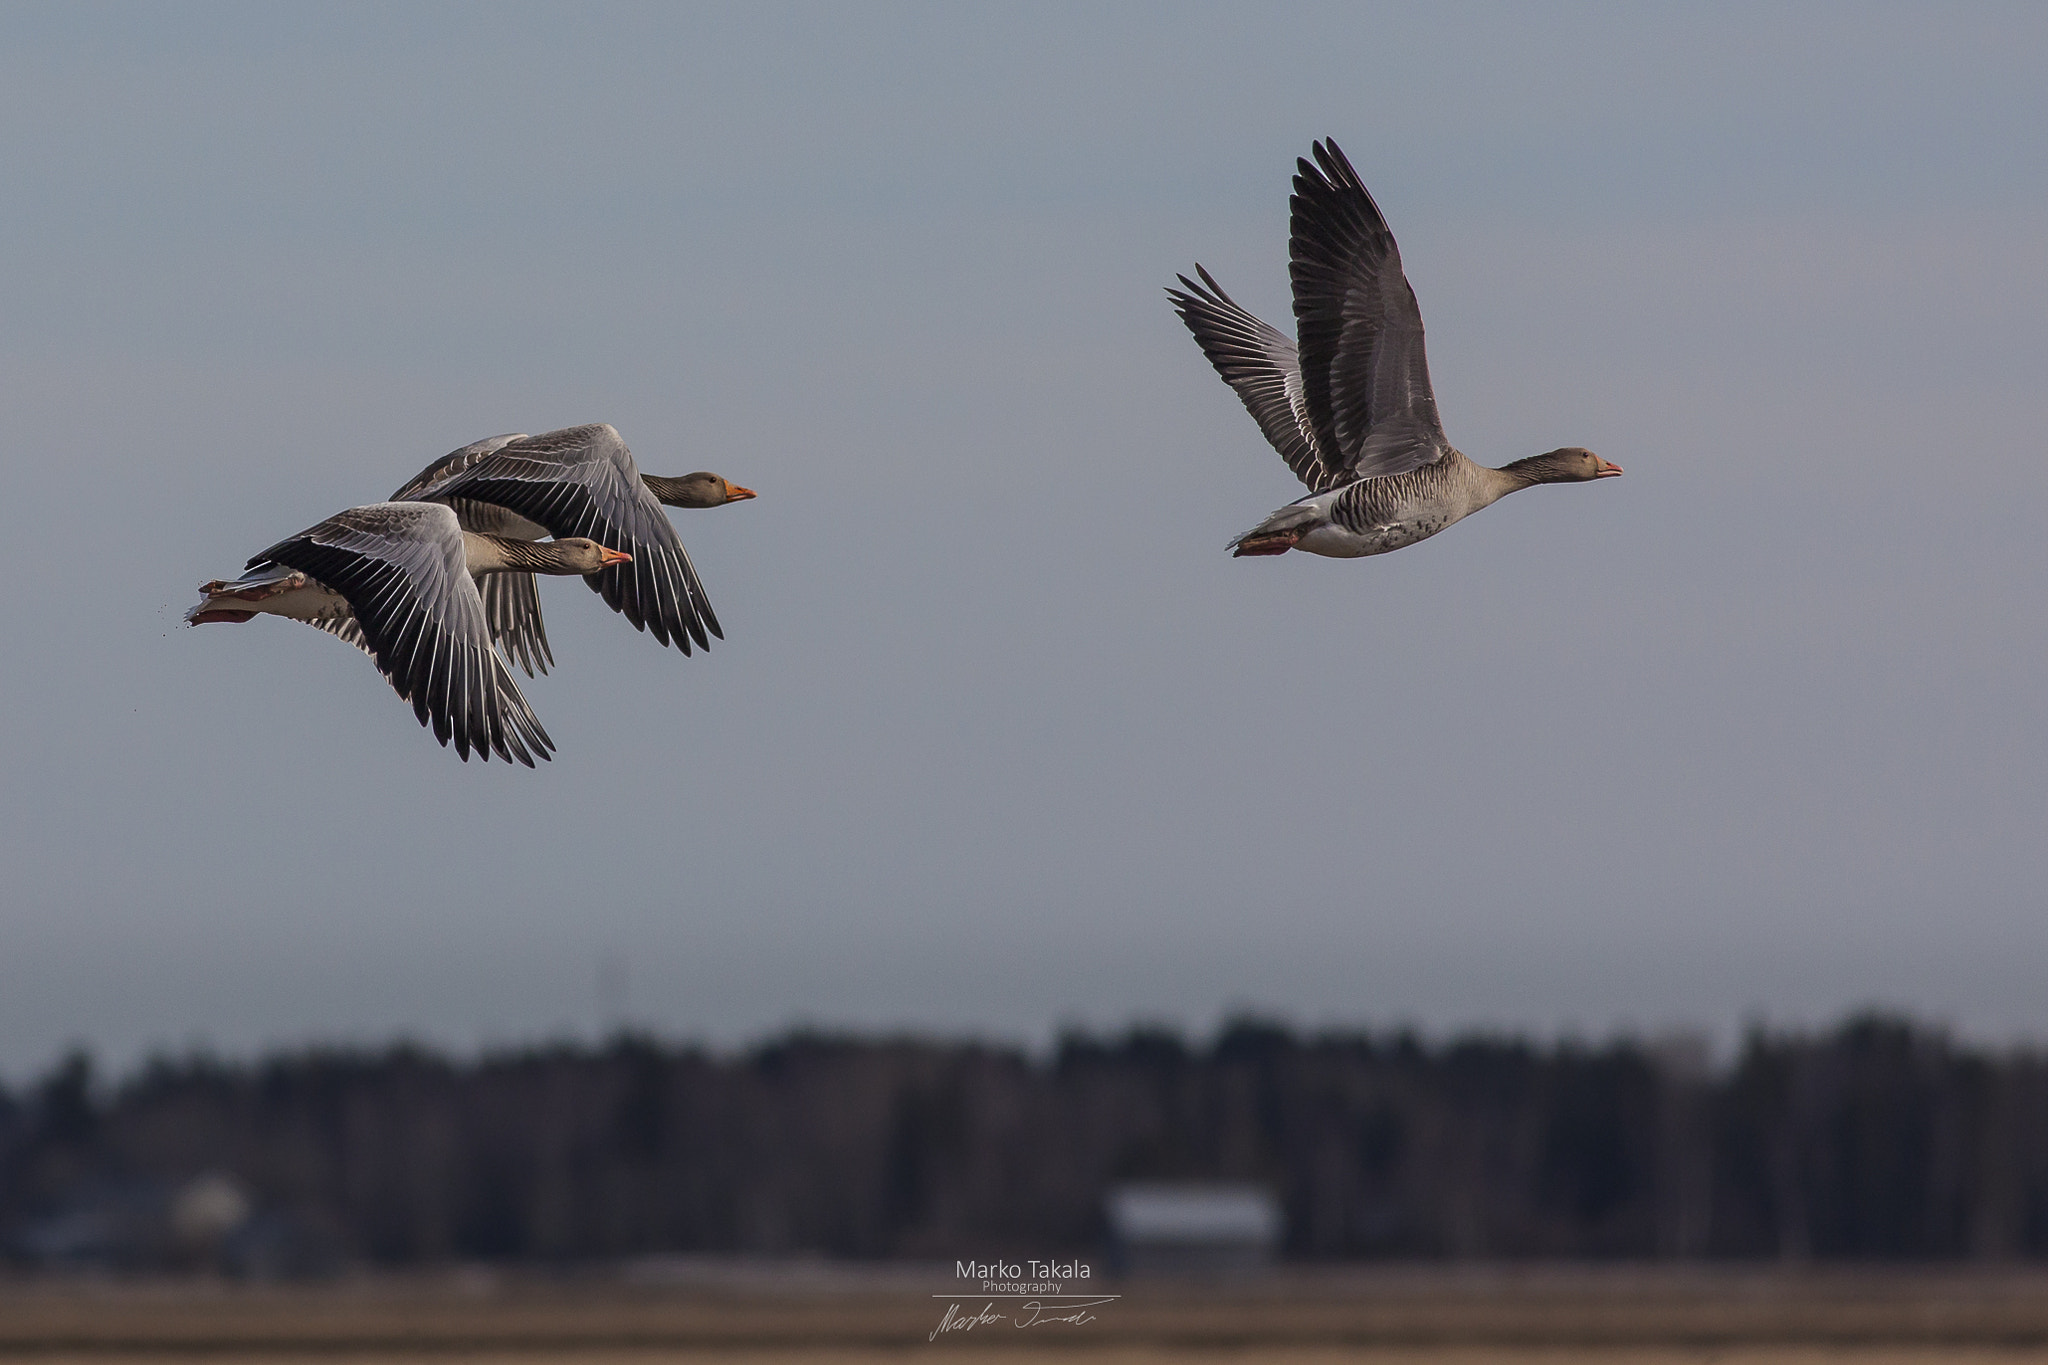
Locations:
column 1350, row 409
column 398, row 579
column 580, row 481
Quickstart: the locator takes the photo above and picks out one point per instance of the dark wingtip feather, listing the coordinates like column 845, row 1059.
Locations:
column 1336, row 165
column 1192, row 295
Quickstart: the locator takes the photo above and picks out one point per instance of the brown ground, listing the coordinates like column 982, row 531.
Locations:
column 782, row 1315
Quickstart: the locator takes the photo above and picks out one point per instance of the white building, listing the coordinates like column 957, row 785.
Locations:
column 1192, row 1228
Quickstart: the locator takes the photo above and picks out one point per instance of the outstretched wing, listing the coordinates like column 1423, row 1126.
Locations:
column 402, row 568
column 1261, row 364
column 1365, row 378
column 511, row 600
column 581, row 481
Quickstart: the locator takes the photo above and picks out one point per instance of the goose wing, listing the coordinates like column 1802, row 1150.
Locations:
column 511, row 600
column 401, row 565
column 1262, row 365
column 454, row 462
column 1365, row 378
column 581, row 481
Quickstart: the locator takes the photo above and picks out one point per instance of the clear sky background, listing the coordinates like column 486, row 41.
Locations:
column 1000, row 738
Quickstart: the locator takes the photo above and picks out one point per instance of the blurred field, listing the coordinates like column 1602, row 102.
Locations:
column 818, row 1313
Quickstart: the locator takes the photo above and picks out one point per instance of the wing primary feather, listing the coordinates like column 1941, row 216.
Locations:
column 674, row 599
column 437, row 695
column 460, row 706
column 690, row 596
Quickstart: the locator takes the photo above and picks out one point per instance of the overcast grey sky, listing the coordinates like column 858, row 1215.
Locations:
column 1000, row 738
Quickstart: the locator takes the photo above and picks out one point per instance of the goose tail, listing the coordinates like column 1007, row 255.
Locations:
column 1279, row 533
column 234, row 599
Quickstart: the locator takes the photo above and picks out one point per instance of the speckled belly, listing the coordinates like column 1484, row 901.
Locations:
column 1340, row 542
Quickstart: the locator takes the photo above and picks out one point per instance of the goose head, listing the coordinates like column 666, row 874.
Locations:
column 1567, row 464
column 580, row 554
column 702, row 489
column 569, row 555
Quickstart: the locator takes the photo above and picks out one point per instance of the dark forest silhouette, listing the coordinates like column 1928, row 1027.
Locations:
column 1879, row 1139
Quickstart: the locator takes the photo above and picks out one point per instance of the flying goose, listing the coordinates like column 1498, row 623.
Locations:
column 398, row 579
column 580, row 481
column 1351, row 411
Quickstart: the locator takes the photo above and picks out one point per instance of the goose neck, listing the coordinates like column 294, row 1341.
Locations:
column 505, row 554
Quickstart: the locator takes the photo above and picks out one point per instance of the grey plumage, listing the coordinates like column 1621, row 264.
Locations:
column 403, row 568
column 1348, row 404
column 1265, row 369
column 579, row 481
column 512, row 612
column 511, row 600
column 1365, row 377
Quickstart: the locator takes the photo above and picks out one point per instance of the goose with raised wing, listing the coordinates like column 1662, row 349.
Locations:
column 580, row 481
column 399, row 579
column 1349, row 406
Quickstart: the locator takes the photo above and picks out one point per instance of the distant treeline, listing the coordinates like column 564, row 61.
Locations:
column 1878, row 1139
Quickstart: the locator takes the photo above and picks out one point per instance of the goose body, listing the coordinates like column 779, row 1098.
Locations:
column 399, row 580
column 580, row 481
column 1349, row 407
column 1376, row 516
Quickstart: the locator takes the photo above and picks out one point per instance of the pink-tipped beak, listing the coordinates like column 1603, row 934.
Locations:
column 611, row 556
column 1607, row 471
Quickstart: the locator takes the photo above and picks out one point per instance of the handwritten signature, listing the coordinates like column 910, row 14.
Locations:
column 1030, row 1313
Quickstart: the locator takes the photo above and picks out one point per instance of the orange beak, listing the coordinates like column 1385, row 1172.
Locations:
column 1607, row 471
column 735, row 493
column 611, row 556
